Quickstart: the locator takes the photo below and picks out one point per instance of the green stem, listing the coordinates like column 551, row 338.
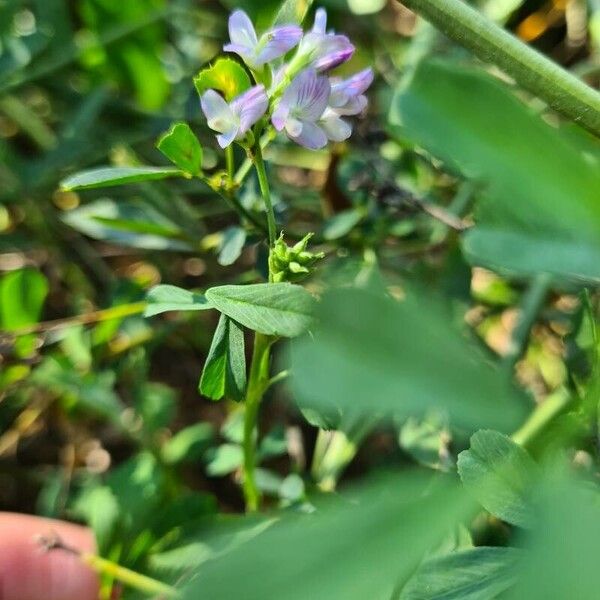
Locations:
column 140, row 582
column 543, row 414
column 263, row 181
column 536, row 73
column 257, row 384
column 531, row 304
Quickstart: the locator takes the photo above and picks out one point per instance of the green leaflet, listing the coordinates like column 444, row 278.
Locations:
column 181, row 146
column 224, row 372
column 499, row 474
column 279, row 309
column 475, row 574
column 164, row 298
column 109, row 176
column 225, row 75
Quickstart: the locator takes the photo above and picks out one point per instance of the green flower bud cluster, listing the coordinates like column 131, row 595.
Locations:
column 292, row 263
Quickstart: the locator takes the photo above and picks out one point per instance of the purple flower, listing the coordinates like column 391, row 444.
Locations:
column 323, row 50
column 256, row 52
column 300, row 108
column 235, row 119
column 347, row 96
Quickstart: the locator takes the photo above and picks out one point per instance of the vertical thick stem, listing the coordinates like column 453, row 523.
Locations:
column 536, row 73
column 257, row 383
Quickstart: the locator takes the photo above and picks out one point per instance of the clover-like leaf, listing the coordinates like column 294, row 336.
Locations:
column 181, row 146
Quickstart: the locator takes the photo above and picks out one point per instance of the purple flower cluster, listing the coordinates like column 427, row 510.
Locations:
column 303, row 100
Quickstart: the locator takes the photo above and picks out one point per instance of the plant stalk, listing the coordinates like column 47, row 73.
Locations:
column 532, row 302
column 536, row 73
column 257, row 384
column 263, row 181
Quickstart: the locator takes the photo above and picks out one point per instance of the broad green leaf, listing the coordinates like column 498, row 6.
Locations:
column 164, row 298
column 381, row 356
column 292, row 11
column 133, row 223
column 561, row 553
column 358, row 546
column 500, row 475
column 111, row 176
column 280, row 309
column 225, row 75
column 22, row 296
column 188, row 444
column 181, row 146
column 232, row 245
column 224, row 372
column 539, row 206
column 475, row 574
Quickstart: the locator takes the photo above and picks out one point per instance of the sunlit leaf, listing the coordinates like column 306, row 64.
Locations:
column 164, row 298
column 22, row 296
column 224, row 372
column 111, row 176
column 225, row 75
column 270, row 308
column 181, row 146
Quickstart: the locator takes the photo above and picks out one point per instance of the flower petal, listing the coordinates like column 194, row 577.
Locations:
column 311, row 136
column 227, row 137
column 250, row 107
column 332, row 52
column 311, row 95
column 241, row 30
column 244, row 51
column 337, row 129
column 320, row 21
column 355, row 106
column 218, row 113
column 277, row 42
column 343, row 91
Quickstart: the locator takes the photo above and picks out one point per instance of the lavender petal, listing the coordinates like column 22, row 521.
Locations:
column 333, row 51
column 241, row 30
column 343, row 91
column 311, row 136
column 336, row 129
column 219, row 115
column 280, row 40
column 320, row 21
column 312, row 94
column 250, row 107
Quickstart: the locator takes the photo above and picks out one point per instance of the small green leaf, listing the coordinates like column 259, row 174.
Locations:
column 224, row 372
column 164, row 298
column 22, row 295
column 342, row 223
column 292, row 11
column 224, row 460
column 279, row 309
column 181, row 146
column 110, row 176
column 188, row 444
column 499, row 474
column 225, row 75
column 475, row 574
column 232, row 245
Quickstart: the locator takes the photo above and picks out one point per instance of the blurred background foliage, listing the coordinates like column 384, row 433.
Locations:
column 100, row 417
